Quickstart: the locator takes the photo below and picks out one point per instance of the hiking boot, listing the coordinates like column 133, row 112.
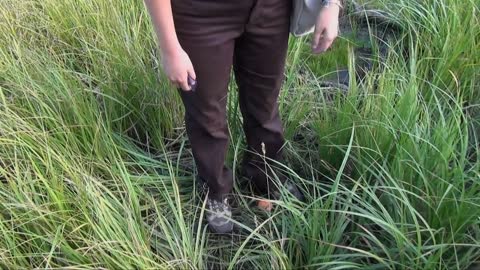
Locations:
column 292, row 189
column 219, row 215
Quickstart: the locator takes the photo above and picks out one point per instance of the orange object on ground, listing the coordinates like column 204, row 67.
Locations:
column 265, row 205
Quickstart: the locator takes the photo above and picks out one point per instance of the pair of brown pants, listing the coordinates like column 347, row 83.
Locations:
column 251, row 36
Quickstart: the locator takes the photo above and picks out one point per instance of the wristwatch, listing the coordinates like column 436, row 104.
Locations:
column 327, row 3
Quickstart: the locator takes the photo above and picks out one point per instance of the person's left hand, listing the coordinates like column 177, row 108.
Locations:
column 326, row 28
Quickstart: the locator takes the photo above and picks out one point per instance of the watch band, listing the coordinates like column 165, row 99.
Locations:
column 327, row 3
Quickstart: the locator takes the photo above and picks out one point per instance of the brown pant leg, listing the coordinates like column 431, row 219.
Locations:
column 205, row 115
column 259, row 70
column 206, row 31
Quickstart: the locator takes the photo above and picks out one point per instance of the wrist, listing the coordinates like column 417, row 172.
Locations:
column 171, row 49
column 332, row 8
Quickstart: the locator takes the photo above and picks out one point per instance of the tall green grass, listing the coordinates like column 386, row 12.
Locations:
column 96, row 171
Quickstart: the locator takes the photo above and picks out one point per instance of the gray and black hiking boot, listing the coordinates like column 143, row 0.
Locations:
column 292, row 189
column 219, row 215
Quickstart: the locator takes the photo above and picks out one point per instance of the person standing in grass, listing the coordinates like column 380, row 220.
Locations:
column 200, row 42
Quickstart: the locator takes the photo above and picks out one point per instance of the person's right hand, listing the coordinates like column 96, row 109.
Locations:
column 178, row 67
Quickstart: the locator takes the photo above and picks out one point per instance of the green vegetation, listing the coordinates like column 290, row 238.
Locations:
column 95, row 169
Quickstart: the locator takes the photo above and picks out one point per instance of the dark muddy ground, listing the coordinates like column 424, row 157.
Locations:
column 372, row 31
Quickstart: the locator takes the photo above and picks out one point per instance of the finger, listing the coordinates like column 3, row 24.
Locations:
column 184, row 85
column 191, row 73
column 321, row 46
column 324, row 44
column 329, row 40
column 317, row 35
column 192, row 80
